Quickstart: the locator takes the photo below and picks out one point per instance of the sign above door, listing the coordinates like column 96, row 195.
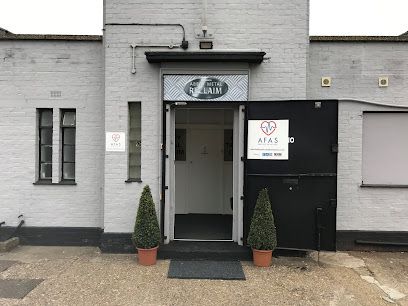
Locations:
column 194, row 87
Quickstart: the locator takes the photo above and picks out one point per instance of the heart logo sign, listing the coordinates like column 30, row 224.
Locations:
column 115, row 137
column 268, row 127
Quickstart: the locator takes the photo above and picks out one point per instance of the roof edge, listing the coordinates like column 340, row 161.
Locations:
column 401, row 38
column 254, row 57
column 10, row 36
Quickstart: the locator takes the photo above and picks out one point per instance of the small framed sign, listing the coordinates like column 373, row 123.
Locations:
column 115, row 142
column 268, row 139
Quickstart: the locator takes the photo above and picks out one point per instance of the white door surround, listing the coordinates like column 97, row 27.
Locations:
column 205, row 132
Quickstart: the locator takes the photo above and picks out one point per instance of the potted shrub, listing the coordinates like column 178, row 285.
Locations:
column 146, row 235
column 262, row 232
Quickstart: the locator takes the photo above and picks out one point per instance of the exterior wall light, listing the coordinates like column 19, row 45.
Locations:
column 206, row 44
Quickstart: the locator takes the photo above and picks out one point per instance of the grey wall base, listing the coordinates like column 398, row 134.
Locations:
column 122, row 242
column 57, row 236
column 117, row 243
column 372, row 241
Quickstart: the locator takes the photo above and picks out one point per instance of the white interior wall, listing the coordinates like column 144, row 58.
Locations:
column 204, row 122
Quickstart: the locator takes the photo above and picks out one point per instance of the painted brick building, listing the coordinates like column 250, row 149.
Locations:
column 64, row 98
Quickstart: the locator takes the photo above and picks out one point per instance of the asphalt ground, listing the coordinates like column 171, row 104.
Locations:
column 84, row 276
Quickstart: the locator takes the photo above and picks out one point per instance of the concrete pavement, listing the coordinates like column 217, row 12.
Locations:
column 84, row 276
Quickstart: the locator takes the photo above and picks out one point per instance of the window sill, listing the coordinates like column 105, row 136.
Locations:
column 134, row 180
column 48, row 182
column 382, row 186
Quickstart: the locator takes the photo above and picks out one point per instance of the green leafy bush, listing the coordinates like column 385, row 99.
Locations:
column 262, row 233
column 146, row 234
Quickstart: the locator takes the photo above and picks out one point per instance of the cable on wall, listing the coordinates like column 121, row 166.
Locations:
column 373, row 103
column 183, row 44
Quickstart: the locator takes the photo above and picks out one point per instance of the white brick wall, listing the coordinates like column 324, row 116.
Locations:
column 355, row 68
column 29, row 70
column 280, row 28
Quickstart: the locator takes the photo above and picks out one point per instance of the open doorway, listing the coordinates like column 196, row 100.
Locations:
column 203, row 174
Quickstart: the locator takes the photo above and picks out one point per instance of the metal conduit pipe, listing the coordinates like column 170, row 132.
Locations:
column 184, row 42
column 384, row 243
column 134, row 46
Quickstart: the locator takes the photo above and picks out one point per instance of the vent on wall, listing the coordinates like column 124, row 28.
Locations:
column 326, row 81
column 383, row 81
column 55, row 94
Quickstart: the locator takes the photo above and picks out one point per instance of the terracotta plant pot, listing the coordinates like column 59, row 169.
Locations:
column 262, row 258
column 147, row 257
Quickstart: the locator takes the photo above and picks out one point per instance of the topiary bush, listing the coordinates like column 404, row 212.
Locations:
column 262, row 232
column 146, row 234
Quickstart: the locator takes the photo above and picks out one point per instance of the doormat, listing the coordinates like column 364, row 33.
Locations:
column 206, row 269
column 17, row 288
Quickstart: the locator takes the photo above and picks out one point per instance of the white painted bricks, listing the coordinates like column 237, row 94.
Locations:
column 280, row 28
column 29, row 71
column 355, row 68
column 96, row 79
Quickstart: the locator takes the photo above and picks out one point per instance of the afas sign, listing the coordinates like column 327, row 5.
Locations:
column 268, row 139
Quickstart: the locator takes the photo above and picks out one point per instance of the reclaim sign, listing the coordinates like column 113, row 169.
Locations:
column 206, row 88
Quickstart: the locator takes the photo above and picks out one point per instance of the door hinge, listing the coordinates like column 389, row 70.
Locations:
column 335, row 148
column 333, row 203
column 166, row 187
column 242, row 197
column 242, row 158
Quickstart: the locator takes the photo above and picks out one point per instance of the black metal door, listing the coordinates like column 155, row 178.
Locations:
column 302, row 189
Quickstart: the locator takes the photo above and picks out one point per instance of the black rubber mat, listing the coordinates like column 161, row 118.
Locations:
column 203, row 227
column 17, row 288
column 206, row 269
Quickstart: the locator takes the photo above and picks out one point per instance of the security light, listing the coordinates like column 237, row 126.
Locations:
column 206, row 44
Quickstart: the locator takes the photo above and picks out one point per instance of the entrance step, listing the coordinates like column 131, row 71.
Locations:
column 216, row 250
column 204, row 250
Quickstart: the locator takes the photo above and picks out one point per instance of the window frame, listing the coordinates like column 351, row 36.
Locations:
column 364, row 164
column 40, row 112
column 63, row 129
column 129, row 141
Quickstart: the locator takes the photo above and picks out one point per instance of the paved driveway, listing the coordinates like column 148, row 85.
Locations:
column 83, row 276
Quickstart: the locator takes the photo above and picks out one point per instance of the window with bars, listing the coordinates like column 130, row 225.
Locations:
column 135, row 141
column 45, row 144
column 68, row 130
